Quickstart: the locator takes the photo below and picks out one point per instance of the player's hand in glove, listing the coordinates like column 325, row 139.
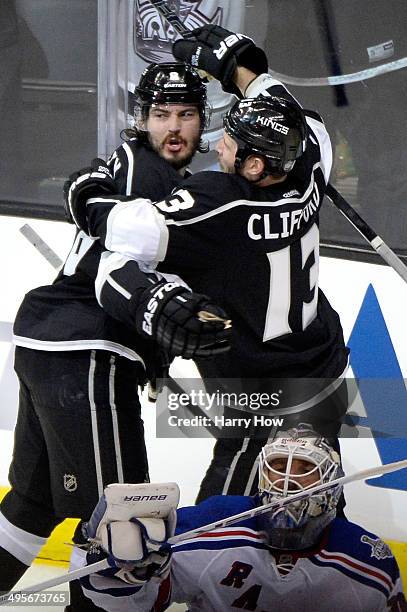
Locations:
column 92, row 181
column 130, row 526
column 218, row 51
column 181, row 322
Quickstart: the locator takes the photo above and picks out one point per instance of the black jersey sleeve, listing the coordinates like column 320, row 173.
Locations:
column 119, row 283
column 191, row 219
column 139, row 172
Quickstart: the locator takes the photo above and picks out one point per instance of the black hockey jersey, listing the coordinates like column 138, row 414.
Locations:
column 253, row 250
column 66, row 315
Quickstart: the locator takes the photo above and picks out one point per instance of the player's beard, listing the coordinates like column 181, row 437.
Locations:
column 181, row 160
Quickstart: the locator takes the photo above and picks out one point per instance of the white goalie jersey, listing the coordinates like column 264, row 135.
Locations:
column 351, row 570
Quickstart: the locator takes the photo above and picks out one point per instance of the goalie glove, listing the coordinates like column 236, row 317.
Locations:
column 92, row 181
column 219, row 52
column 183, row 323
column 136, row 574
column 131, row 525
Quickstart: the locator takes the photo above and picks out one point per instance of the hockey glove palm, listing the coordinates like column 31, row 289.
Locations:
column 92, row 181
column 131, row 525
column 183, row 323
column 219, row 51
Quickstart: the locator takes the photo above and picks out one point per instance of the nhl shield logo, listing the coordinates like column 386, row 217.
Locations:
column 70, row 483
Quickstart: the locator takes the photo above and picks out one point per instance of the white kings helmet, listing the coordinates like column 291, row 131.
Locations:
column 298, row 525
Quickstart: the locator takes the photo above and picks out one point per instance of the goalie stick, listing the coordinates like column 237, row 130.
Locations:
column 368, row 233
column 279, row 503
column 285, row 501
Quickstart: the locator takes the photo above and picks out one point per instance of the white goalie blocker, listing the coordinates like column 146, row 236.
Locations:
column 132, row 521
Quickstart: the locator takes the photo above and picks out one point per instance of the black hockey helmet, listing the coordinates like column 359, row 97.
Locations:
column 171, row 83
column 272, row 127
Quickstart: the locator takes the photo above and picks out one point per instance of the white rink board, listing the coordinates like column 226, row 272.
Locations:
column 185, row 460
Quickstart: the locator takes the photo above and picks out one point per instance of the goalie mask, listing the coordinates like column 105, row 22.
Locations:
column 271, row 127
column 170, row 83
column 292, row 463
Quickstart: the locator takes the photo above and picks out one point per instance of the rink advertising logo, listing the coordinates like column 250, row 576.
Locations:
column 381, row 387
column 138, row 498
column 380, row 550
column 229, row 42
column 70, row 483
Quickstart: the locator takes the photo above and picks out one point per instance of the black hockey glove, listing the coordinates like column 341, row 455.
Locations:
column 92, row 181
column 219, row 52
column 183, row 323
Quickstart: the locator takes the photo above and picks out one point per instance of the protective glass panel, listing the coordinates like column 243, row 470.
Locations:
column 48, row 98
column 311, row 45
column 345, row 59
column 361, row 47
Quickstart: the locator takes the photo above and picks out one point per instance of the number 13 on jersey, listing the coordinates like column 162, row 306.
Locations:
column 293, row 294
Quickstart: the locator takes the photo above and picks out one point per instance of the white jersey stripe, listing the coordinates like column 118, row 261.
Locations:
column 356, row 566
column 93, row 418
column 109, row 262
column 324, row 141
column 21, row 544
column 78, row 345
column 224, row 535
column 251, row 203
column 232, row 468
column 115, row 423
column 130, row 170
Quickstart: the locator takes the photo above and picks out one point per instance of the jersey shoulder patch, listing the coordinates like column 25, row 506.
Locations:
column 352, row 541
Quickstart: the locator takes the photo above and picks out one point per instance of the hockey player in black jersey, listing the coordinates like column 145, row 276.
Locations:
column 250, row 238
column 79, row 425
